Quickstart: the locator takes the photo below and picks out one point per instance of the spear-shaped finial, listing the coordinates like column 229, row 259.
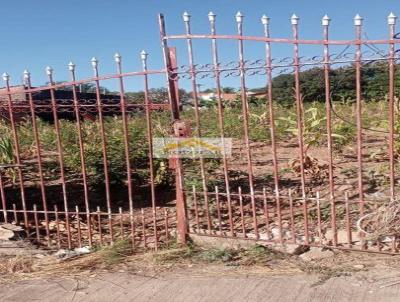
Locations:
column 117, row 57
column 239, row 17
column 143, row 55
column 94, row 62
column 186, row 17
column 211, row 17
column 6, row 77
column 49, row 71
column 71, row 66
column 358, row 20
column 265, row 20
column 392, row 19
column 294, row 19
column 27, row 74
column 326, row 20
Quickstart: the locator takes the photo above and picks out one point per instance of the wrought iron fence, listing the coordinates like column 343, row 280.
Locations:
column 92, row 155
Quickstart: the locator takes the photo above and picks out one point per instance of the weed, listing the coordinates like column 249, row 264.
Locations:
column 116, row 252
column 324, row 272
column 218, row 255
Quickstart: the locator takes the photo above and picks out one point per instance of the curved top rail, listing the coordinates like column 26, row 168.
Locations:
column 282, row 40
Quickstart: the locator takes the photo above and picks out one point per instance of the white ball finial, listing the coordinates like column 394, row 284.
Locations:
column 326, row 20
column 71, row 66
column 391, row 19
column 265, row 20
column 239, row 17
column 186, row 17
column 49, row 70
column 94, row 62
column 211, row 17
column 117, row 57
column 27, row 74
column 143, row 55
column 358, row 20
column 294, row 19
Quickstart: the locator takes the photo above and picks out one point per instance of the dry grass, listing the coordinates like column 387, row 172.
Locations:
column 383, row 222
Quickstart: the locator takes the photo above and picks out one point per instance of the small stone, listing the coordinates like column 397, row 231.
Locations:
column 359, row 266
column 296, row 249
column 6, row 234
column 12, row 227
column 316, row 253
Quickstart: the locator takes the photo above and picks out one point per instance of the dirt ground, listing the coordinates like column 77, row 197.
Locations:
column 196, row 273
column 211, row 284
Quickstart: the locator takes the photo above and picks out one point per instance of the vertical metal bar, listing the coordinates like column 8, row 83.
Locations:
column 71, row 67
column 144, row 228
column 104, row 144
column 15, row 213
column 292, row 222
column 78, row 226
column 149, row 128
column 121, row 222
column 168, row 71
column 299, row 113
column 348, row 222
column 242, row 212
column 358, row 43
column 99, row 223
column 35, row 216
column 319, row 217
column 268, row 60
column 172, row 95
column 299, row 105
column 192, row 72
column 57, row 226
column 133, row 229
column 3, row 198
column 266, row 213
column 306, row 229
column 358, row 24
column 325, row 24
column 60, row 151
column 392, row 23
column 166, row 223
column 196, row 208
column 17, row 151
column 217, row 201
column 217, row 76
column 125, row 125
column 245, row 111
column 27, row 79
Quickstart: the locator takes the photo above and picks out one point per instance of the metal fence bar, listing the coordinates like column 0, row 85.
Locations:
column 17, row 150
column 71, row 67
column 125, row 126
column 95, row 62
column 268, row 59
column 245, row 112
column 27, row 79
column 192, row 71
column 325, row 24
column 392, row 24
column 60, row 151
column 150, row 142
column 217, row 76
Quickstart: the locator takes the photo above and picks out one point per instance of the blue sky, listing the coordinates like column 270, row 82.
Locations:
column 52, row 32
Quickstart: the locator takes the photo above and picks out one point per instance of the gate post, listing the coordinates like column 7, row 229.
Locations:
column 180, row 130
column 169, row 55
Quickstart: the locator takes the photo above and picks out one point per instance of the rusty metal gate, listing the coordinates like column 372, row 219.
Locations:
column 78, row 166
